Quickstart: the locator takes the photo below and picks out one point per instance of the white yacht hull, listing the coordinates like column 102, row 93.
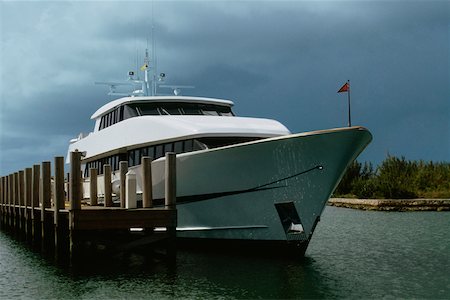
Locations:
column 268, row 191
column 271, row 190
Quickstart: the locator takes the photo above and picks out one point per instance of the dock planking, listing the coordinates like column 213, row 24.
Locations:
column 34, row 207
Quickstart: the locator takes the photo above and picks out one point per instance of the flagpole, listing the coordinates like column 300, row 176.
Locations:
column 349, row 111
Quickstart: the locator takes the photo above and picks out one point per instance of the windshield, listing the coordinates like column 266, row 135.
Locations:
column 146, row 109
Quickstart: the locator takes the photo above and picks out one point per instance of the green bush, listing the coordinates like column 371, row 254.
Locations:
column 396, row 178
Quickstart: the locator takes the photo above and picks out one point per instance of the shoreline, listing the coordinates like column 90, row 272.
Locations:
column 392, row 204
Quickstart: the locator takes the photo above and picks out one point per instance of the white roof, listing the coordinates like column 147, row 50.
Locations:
column 113, row 104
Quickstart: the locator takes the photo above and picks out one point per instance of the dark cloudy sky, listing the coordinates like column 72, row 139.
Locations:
column 277, row 59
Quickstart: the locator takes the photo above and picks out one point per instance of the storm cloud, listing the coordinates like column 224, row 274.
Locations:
column 275, row 59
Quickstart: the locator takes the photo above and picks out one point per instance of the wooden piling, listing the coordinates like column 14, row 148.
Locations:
column 8, row 201
column 68, row 187
column 170, row 201
column 35, row 217
column 75, row 203
column 2, row 199
column 171, row 180
column 11, row 200
column 59, row 203
column 2, row 188
column 27, row 200
column 15, row 201
column 16, row 189
column 123, row 169
column 107, row 186
column 45, row 197
column 93, row 186
column 21, row 201
column 147, row 188
column 130, row 195
column 75, row 180
column 35, row 186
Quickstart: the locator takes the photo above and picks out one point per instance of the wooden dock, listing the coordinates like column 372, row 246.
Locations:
column 35, row 209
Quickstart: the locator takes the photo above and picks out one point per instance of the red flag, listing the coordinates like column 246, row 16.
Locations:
column 344, row 88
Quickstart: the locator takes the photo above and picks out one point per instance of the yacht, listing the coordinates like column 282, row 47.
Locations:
column 240, row 180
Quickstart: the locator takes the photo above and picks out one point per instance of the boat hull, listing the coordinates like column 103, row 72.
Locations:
column 270, row 190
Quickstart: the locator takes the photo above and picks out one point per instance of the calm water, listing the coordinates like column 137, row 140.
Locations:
column 353, row 254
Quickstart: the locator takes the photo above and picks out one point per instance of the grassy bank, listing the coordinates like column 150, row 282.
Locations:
column 396, row 178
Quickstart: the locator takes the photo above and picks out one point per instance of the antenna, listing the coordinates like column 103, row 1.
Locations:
column 148, row 86
column 154, row 82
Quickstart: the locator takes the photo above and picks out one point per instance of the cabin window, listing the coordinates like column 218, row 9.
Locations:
column 199, row 146
column 178, row 147
column 170, row 108
column 144, row 152
column 137, row 157
column 148, row 109
column 191, row 109
column 158, row 151
column 209, row 110
column 151, row 152
column 131, row 158
column 176, row 108
column 114, row 162
column 188, row 145
column 168, row 148
column 224, row 111
column 129, row 112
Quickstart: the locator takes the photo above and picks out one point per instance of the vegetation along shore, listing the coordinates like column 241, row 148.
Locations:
column 396, row 184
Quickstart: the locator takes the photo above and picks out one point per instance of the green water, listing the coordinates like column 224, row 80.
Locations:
column 353, row 254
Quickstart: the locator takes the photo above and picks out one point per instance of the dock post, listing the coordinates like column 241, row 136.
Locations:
column 147, row 188
column 5, row 201
column 4, row 195
column 68, row 187
column 130, row 195
column 36, row 221
column 8, row 201
column 59, row 203
column 2, row 187
column 170, row 200
column 107, row 188
column 45, row 203
column 93, row 186
column 75, row 202
column 1, row 202
column 171, row 180
column 123, row 169
column 27, row 201
column 21, row 202
column 15, row 202
column 75, row 181
column 11, row 201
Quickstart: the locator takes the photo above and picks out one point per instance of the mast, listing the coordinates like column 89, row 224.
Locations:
column 145, row 83
column 154, row 79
